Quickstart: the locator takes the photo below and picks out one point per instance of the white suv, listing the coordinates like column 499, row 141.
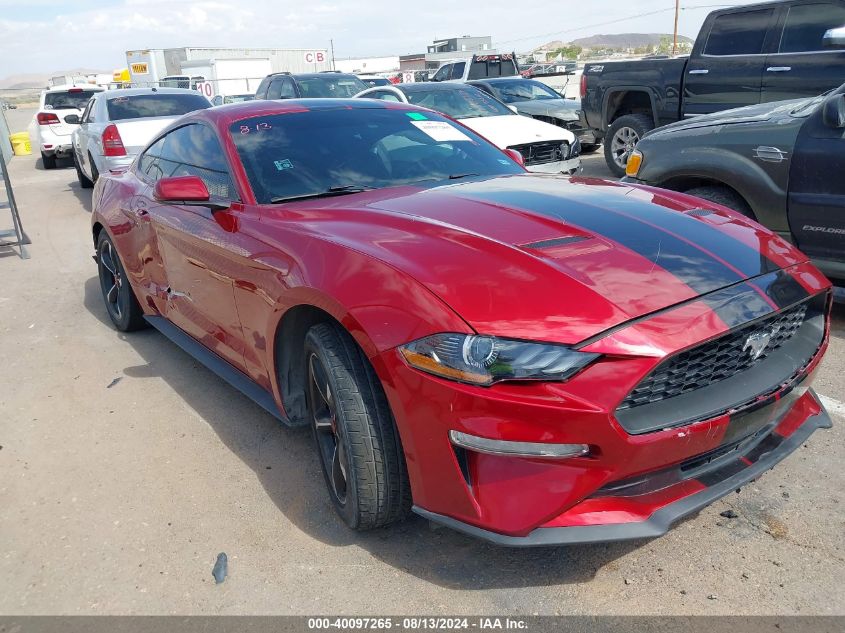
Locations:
column 54, row 132
column 478, row 67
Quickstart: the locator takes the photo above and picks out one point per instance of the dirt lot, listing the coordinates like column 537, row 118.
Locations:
column 125, row 468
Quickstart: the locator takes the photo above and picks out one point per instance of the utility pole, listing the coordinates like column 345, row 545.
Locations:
column 675, row 40
column 331, row 44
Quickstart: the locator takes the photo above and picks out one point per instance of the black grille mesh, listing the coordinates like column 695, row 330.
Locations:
column 545, row 152
column 714, row 361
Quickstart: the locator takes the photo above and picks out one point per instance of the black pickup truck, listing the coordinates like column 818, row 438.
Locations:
column 743, row 56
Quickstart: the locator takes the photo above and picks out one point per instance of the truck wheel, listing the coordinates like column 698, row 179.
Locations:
column 48, row 161
column 357, row 440
column 724, row 196
column 622, row 137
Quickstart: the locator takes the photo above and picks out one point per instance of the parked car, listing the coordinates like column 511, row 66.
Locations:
column 535, row 99
column 309, row 85
column 375, row 80
column 544, row 147
column 478, row 67
column 777, row 163
column 531, row 359
column 117, row 124
column 742, row 56
column 57, row 118
column 224, row 99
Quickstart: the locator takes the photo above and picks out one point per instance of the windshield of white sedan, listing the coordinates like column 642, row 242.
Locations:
column 152, row 105
column 333, row 152
column 522, row 90
column 77, row 99
column 458, row 104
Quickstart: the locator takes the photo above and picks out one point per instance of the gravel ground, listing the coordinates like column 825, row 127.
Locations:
column 125, row 469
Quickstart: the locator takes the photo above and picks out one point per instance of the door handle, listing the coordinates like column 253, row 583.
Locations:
column 699, row 71
column 778, row 69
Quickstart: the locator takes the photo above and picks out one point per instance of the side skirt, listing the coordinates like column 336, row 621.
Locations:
column 212, row 361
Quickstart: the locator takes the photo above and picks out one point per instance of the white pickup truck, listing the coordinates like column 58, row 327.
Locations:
column 54, row 131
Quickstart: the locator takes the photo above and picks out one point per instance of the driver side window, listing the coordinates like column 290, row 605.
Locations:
column 443, row 73
column 194, row 150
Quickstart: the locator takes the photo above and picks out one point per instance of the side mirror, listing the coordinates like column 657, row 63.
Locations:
column 834, row 38
column 833, row 113
column 186, row 191
column 516, row 156
column 73, row 119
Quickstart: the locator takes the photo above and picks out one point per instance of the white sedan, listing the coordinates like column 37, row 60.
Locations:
column 545, row 148
column 118, row 124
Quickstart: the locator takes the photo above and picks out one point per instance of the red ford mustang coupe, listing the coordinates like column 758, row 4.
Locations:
column 530, row 359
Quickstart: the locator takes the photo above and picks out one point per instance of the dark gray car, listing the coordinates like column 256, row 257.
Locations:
column 535, row 99
column 778, row 163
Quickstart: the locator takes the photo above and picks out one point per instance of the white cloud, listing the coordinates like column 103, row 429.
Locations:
column 98, row 37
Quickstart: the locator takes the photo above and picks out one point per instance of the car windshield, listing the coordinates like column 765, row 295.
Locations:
column 330, row 86
column 376, row 81
column 460, row 103
column 303, row 154
column 76, row 99
column 522, row 90
column 238, row 98
column 152, row 105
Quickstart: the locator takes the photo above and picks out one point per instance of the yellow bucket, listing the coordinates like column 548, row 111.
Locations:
column 20, row 144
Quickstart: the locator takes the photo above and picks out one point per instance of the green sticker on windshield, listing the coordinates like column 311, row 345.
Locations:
column 416, row 116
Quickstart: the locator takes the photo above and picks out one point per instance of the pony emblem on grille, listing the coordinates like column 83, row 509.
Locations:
column 757, row 342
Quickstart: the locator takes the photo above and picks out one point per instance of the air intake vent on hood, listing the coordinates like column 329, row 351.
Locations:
column 558, row 241
column 699, row 213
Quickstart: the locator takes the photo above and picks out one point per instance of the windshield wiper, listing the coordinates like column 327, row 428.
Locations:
column 328, row 193
column 459, row 176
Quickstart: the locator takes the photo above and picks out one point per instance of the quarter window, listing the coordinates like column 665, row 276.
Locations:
column 738, row 33
column 806, row 25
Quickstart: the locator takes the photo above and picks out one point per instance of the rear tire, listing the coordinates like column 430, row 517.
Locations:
column 48, row 161
column 84, row 181
column 95, row 175
column 723, row 196
column 356, row 436
column 622, row 137
column 121, row 304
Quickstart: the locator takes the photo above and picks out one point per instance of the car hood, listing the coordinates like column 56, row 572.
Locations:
column 507, row 131
column 749, row 114
column 564, row 109
column 545, row 257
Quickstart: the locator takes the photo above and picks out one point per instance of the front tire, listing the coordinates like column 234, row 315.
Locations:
column 121, row 304
column 84, row 181
column 357, row 440
column 622, row 137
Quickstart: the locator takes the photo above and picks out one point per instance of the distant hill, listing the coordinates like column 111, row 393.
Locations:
column 626, row 40
column 39, row 80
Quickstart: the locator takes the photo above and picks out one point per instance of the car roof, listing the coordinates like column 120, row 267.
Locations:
column 67, row 87
column 313, row 75
column 132, row 92
column 429, row 86
column 225, row 115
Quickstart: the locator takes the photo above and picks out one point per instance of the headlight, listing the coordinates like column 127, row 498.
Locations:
column 635, row 161
column 484, row 360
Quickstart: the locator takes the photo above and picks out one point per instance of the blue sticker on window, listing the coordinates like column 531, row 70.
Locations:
column 283, row 164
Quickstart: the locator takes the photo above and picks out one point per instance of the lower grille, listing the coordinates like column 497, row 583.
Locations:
column 717, row 360
column 545, row 152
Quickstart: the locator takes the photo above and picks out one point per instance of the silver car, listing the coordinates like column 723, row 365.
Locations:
column 116, row 125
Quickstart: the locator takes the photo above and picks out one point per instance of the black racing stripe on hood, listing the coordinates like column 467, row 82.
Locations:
column 695, row 267
column 755, row 298
column 747, row 260
column 781, row 288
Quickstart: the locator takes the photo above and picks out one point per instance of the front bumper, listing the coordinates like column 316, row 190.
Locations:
column 732, row 475
column 630, row 474
column 571, row 166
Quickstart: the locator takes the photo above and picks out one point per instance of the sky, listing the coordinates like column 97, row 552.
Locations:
column 40, row 36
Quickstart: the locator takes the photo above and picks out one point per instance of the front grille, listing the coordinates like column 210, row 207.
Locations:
column 545, row 152
column 717, row 360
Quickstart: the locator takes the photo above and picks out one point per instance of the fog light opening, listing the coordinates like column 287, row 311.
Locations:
column 517, row 449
